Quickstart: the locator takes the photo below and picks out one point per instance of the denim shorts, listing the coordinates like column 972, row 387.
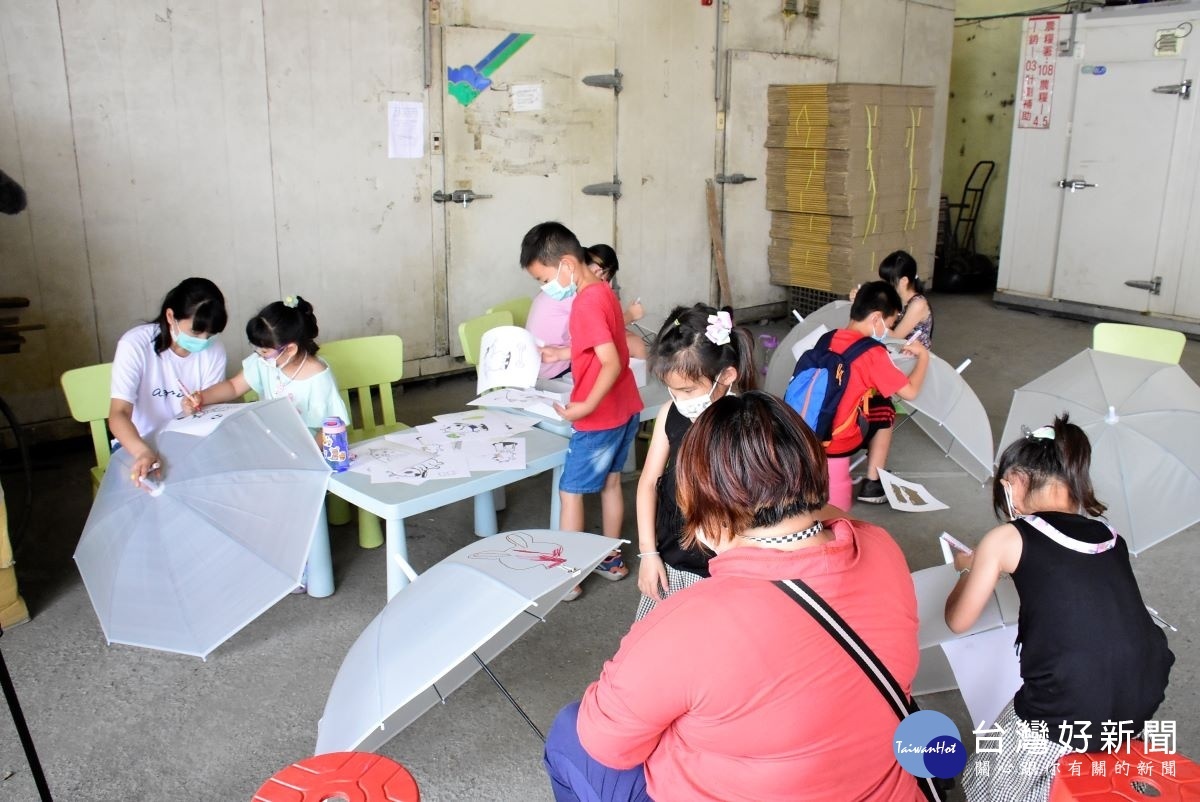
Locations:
column 592, row 456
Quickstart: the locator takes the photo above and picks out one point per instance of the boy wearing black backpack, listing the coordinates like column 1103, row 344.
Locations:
column 864, row 414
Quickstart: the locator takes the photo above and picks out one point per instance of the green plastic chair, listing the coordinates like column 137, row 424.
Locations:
column 88, row 392
column 519, row 307
column 1144, row 342
column 470, row 332
column 363, row 364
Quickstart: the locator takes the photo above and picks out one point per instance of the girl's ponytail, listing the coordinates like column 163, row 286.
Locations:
column 1075, row 454
column 1060, row 452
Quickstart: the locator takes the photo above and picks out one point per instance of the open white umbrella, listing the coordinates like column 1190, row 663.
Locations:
column 833, row 315
column 184, row 569
column 437, row 632
column 1143, row 420
column 948, row 410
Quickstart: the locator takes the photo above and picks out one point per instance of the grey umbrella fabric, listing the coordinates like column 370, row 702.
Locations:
column 424, row 643
column 184, row 569
column 1143, row 420
column 833, row 315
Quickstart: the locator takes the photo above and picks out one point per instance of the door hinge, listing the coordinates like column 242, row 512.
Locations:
column 1154, row 286
column 605, row 81
column 736, row 178
column 612, row 189
column 1184, row 90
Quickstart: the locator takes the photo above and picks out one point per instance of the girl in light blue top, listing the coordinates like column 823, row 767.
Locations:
column 284, row 365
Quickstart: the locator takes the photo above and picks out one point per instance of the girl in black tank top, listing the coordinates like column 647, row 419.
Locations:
column 700, row 356
column 1089, row 650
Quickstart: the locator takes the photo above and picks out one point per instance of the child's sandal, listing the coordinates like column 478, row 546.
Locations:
column 613, row 568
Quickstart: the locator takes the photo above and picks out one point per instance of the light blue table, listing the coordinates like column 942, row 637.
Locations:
column 393, row 502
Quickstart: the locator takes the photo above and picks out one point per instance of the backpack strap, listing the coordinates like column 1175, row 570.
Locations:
column 901, row 703
column 860, row 347
column 821, row 345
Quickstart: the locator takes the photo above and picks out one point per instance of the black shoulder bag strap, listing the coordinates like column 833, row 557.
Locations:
column 901, row 703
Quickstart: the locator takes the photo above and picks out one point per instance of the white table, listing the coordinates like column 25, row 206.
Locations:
column 395, row 501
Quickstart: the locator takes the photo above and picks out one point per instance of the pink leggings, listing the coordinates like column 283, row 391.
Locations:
column 841, row 492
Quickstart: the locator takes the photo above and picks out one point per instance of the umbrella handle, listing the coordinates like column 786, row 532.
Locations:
column 155, row 488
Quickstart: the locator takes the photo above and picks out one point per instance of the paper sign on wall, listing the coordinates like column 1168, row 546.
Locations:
column 526, row 97
column 406, row 129
column 1039, row 50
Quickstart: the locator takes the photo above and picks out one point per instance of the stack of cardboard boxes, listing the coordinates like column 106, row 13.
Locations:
column 848, row 176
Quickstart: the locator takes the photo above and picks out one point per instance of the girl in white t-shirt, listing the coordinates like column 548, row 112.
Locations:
column 284, row 365
column 157, row 364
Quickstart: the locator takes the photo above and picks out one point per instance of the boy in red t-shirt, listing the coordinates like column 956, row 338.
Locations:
column 605, row 402
column 874, row 311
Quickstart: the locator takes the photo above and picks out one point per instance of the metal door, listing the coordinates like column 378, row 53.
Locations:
column 1115, row 186
column 523, row 136
column 747, row 222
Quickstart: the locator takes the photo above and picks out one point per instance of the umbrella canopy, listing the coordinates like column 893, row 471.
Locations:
column 948, row 410
column 833, row 315
column 1143, row 419
column 422, row 646
column 184, row 569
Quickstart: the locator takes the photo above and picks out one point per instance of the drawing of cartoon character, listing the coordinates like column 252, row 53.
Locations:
column 525, row 553
column 505, row 452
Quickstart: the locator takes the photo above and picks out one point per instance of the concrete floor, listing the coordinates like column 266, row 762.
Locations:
column 124, row 723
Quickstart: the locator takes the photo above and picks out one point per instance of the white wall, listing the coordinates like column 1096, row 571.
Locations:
column 244, row 141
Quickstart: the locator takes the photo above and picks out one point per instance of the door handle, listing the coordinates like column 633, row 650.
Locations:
column 463, row 196
column 736, row 178
column 1074, row 184
column 1184, row 90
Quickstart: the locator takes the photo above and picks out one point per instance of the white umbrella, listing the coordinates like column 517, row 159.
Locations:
column 948, row 410
column 184, row 569
column 437, row 632
column 1143, row 419
column 833, row 315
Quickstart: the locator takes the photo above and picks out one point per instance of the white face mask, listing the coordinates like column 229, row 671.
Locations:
column 691, row 408
column 1008, row 499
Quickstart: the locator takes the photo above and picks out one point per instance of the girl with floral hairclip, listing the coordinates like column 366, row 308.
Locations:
column 1088, row 648
column 284, row 365
column 700, row 355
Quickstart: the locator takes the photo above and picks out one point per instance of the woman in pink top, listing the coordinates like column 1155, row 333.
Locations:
column 729, row 690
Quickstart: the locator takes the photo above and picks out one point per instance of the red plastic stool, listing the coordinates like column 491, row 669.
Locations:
column 1132, row 783
column 341, row 777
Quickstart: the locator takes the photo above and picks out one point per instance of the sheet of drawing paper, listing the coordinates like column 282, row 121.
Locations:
column 506, row 424
column 908, row 496
column 988, row 671
column 531, row 400
column 451, row 464
column 379, row 457
column 204, row 421
column 498, row 455
column 806, row 342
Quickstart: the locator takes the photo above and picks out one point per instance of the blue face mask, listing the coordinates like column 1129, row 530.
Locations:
column 878, row 337
column 557, row 291
column 190, row 342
